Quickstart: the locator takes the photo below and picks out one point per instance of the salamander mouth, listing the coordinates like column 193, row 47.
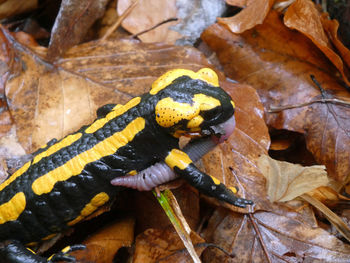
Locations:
column 222, row 132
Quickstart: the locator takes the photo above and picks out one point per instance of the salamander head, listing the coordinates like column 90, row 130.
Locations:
column 192, row 104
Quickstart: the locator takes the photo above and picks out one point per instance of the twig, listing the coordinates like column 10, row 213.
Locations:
column 153, row 27
column 324, row 99
column 119, row 20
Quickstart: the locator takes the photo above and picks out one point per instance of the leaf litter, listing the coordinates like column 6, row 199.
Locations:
column 274, row 60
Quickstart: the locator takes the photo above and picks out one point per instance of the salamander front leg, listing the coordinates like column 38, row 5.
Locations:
column 183, row 165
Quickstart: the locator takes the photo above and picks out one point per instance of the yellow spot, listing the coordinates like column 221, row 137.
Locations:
column 57, row 146
column 205, row 74
column 12, row 209
column 74, row 166
column 97, row 201
column 233, row 104
column 195, row 122
column 133, row 172
column 31, row 244
column 178, row 158
column 216, row 181
column 117, row 111
column 16, row 174
column 233, row 189
column 169, row 112
column 206, row 102
column 49, row 236
column 66, row 249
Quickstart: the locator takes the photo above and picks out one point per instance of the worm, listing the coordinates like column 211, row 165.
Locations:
column 160, row 173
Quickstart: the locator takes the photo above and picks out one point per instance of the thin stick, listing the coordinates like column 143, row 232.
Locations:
column 324, row 99
column 119, row 20
column 155, row 26
column 256, row 228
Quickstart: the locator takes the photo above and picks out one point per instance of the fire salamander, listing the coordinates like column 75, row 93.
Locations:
column 71, row 178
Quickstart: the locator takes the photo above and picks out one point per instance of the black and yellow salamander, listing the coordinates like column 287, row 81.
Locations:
column 71, row 178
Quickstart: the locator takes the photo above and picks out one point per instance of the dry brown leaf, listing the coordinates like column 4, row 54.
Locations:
column 286, row 181
column 163, row 246
column 188, row 200
column 241, row 3
column 303, row 16
column 72, row 22
column 103, row 245
column 336, row 221
column 234, row 162
column 147, row 14
column 254, row 14
column 331, row 27
column 10, row 8
column 278, row 62
column 278, row 236
column 45, row 99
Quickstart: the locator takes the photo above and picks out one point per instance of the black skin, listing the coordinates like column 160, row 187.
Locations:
column 49, row 213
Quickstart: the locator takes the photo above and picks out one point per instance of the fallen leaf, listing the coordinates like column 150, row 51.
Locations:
column 10, row 8
column 45, row 99
column 286, row 181
column 280, row 71
column 252, row 15
column 156, row 245
column 102, row 246
column 276, row 236
column 331, row 27
column 241, row 3
column 194, row 17
column 72, row 22
column 147, row 14
column 330, row 215
column 303, row 16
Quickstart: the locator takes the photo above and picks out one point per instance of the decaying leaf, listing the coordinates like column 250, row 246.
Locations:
column 72, row 23
column 50, row 100
column 103, row 245
column 276, row 236
column 163, row 246
column 303, row 16
column 331, row 27
column 10, row 8
column 147, row 14
column 268, row 58
column 193, row 16
column 254, row 14
column 330, row 215
column 286, row 181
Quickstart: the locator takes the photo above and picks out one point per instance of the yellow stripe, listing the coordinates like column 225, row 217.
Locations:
column 97, row 201
column 49, row 236
column 205, row 74
column 74, row 166
column 18, row 173
column 216, row 181
column 177, row 158
column 11, row 210
column 117, row 111
column 58, row 146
